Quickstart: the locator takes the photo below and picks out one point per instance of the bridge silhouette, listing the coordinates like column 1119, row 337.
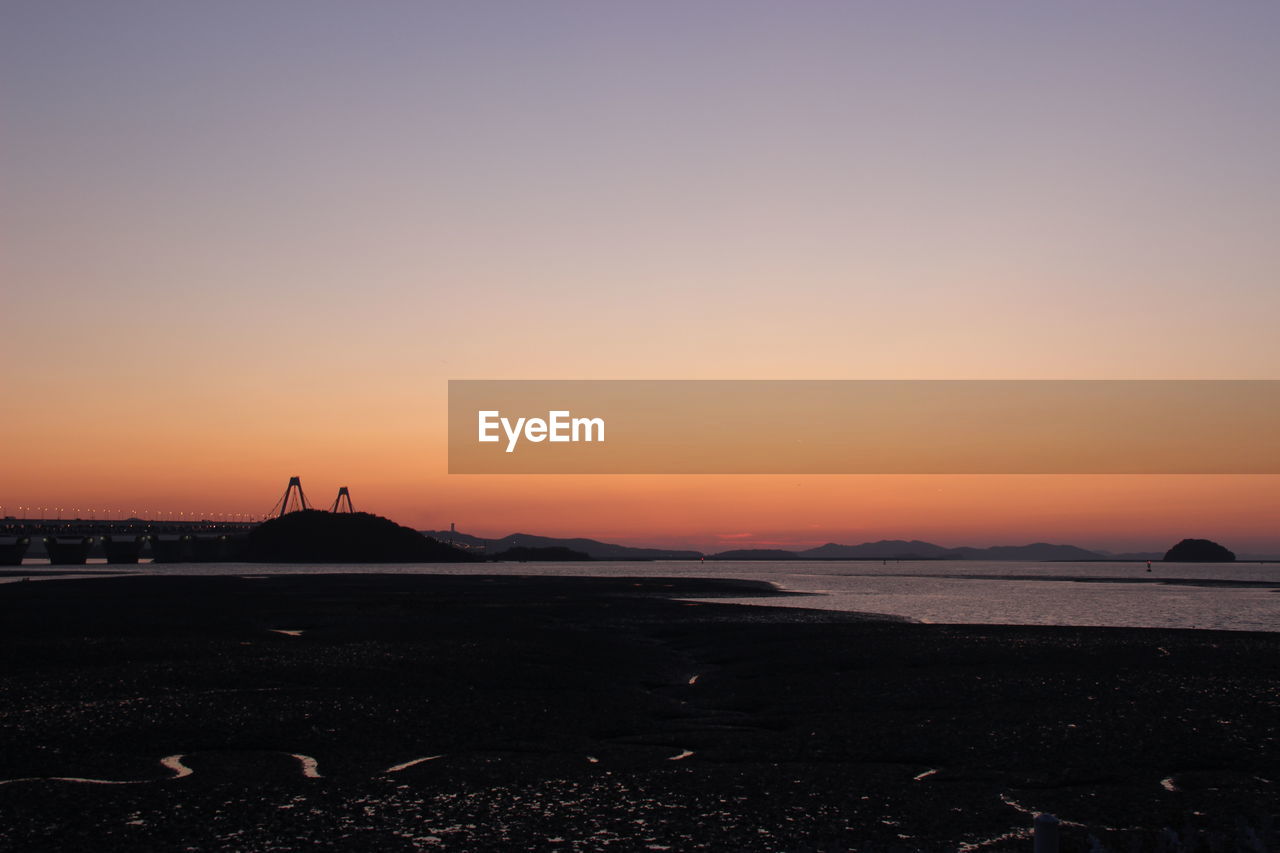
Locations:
column 179, row 537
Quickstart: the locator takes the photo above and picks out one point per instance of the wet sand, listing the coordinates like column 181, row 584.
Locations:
column 397, row 712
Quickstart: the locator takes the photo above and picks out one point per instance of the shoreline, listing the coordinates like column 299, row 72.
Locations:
column 985, row 594
column 492, row 711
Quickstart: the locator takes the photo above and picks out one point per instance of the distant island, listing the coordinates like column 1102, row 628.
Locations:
column 897, row 549
column 316, row 536
column 755, row 554
column 915, row 550
column 1198, row 551
column 594, row 549
column 553, row 553
column 885, row 549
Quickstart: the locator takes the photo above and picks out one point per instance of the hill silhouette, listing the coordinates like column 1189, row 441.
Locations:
column 316, row 536
column 891, row 549
column 756, row 554
column 897, row 549
column 554, row 553
column 595, row 549
column 1198, row 551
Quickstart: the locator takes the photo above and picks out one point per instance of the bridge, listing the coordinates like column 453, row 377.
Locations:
column 74, row 541
column 188, row 537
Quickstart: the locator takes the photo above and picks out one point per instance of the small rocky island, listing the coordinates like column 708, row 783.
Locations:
column 315, row 536
column 1198, row 551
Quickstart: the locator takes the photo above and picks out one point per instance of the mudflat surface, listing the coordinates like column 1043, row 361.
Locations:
column 585, row 714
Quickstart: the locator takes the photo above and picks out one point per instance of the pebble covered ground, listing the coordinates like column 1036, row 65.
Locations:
column 401, row 712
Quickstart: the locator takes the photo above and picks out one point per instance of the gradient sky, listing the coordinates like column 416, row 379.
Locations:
column 245, row 240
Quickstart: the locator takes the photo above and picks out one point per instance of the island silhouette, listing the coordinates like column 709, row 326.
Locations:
column 553, row 553
column 1198, row 551
column 891, row 549
column 317, row 536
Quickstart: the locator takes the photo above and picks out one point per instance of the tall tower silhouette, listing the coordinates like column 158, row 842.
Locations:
column 343, row 502
column 292, row 500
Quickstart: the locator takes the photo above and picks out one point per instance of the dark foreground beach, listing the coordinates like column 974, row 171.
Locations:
column 584, row 714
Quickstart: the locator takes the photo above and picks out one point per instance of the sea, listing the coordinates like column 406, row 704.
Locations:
column 1217, row 596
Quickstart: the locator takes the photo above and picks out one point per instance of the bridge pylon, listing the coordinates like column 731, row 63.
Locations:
column 343, row 502
column 292, row 500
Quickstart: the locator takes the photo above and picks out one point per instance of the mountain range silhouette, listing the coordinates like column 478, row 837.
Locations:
column 885, row 549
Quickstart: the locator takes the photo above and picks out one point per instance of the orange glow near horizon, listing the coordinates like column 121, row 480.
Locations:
column 709, row 513
column 227, row 444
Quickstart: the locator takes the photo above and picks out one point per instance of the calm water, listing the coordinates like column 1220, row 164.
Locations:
column 1231, row 596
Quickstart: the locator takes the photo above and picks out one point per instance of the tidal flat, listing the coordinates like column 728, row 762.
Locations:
column 473, row 712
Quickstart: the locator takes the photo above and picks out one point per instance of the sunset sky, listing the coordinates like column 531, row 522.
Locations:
column 242, row 240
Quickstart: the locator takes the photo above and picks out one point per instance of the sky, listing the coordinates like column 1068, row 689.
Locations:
column 241, row 241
